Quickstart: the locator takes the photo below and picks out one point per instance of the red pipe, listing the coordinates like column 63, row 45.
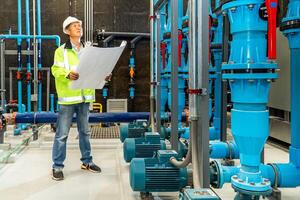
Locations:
column 272, row 25
column 180, row 37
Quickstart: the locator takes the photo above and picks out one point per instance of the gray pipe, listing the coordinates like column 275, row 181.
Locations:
column 35, row 59
column 2, row 60
column 152, row 98
column 10, row 85
column 92, row 21
column 188, row 158
column 194, row 84
column 48, row 90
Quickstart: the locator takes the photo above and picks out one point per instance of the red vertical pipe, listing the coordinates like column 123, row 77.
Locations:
column 272, row 6
column 180, row 37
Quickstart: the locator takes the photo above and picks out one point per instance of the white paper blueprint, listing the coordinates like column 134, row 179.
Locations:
column 95, row 64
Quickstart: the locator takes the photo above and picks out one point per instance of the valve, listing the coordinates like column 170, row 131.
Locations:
column 180, row 37
column 28, row 77
column 18, row 75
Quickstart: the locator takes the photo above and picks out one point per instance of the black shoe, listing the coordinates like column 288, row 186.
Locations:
column 57, row 174
column 91, row 167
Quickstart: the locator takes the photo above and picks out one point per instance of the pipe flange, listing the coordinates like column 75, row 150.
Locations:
column 246, row 71
column 215, row 175
column 291, row 24
column 251, row 193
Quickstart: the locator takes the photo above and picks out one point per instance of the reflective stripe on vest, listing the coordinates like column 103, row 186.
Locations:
column 70, row 99
column 78, row 98
column 89, row 97
column 66, row 61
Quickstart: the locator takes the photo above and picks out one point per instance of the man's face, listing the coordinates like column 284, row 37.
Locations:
column 74, row 30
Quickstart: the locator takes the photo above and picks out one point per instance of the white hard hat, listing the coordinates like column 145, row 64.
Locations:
column 69, row 21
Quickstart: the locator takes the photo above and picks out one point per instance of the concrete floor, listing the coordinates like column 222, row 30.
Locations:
column 29, row 176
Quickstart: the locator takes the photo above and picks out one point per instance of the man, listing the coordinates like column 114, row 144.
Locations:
column 71, row 101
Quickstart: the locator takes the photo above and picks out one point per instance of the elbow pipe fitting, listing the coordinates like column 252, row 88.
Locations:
column 282, row 175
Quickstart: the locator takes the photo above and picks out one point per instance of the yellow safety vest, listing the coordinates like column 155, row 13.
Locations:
column 66, row 60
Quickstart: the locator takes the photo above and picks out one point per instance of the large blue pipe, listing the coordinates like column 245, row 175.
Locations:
column 47, row 117
column 249, row 73
column 295, row 95
column 28, row 56
column 288, row 174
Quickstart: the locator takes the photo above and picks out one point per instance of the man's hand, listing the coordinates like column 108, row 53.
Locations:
column 73, row 76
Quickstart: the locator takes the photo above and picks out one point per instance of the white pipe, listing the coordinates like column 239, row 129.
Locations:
column 193, row 84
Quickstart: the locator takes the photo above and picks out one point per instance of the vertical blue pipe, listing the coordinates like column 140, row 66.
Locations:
column 51, row 102
column 290, row 27
column 249, row 92
column 28, row 56
column 295, row 97
column 39, row 43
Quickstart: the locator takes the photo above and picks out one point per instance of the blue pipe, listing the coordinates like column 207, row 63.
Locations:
column 288, row 174
column 19, row 41
column 131, row 66
column 28, row 56
column 19, row 20
column 105, row 92
column 222, row 150
column 249, row 89
column 131, row 92
column 19, row 37
column 51, row 103
column 47, row 117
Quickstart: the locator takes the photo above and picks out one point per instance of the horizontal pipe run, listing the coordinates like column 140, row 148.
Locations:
column 46, row 117
column 43, row 37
